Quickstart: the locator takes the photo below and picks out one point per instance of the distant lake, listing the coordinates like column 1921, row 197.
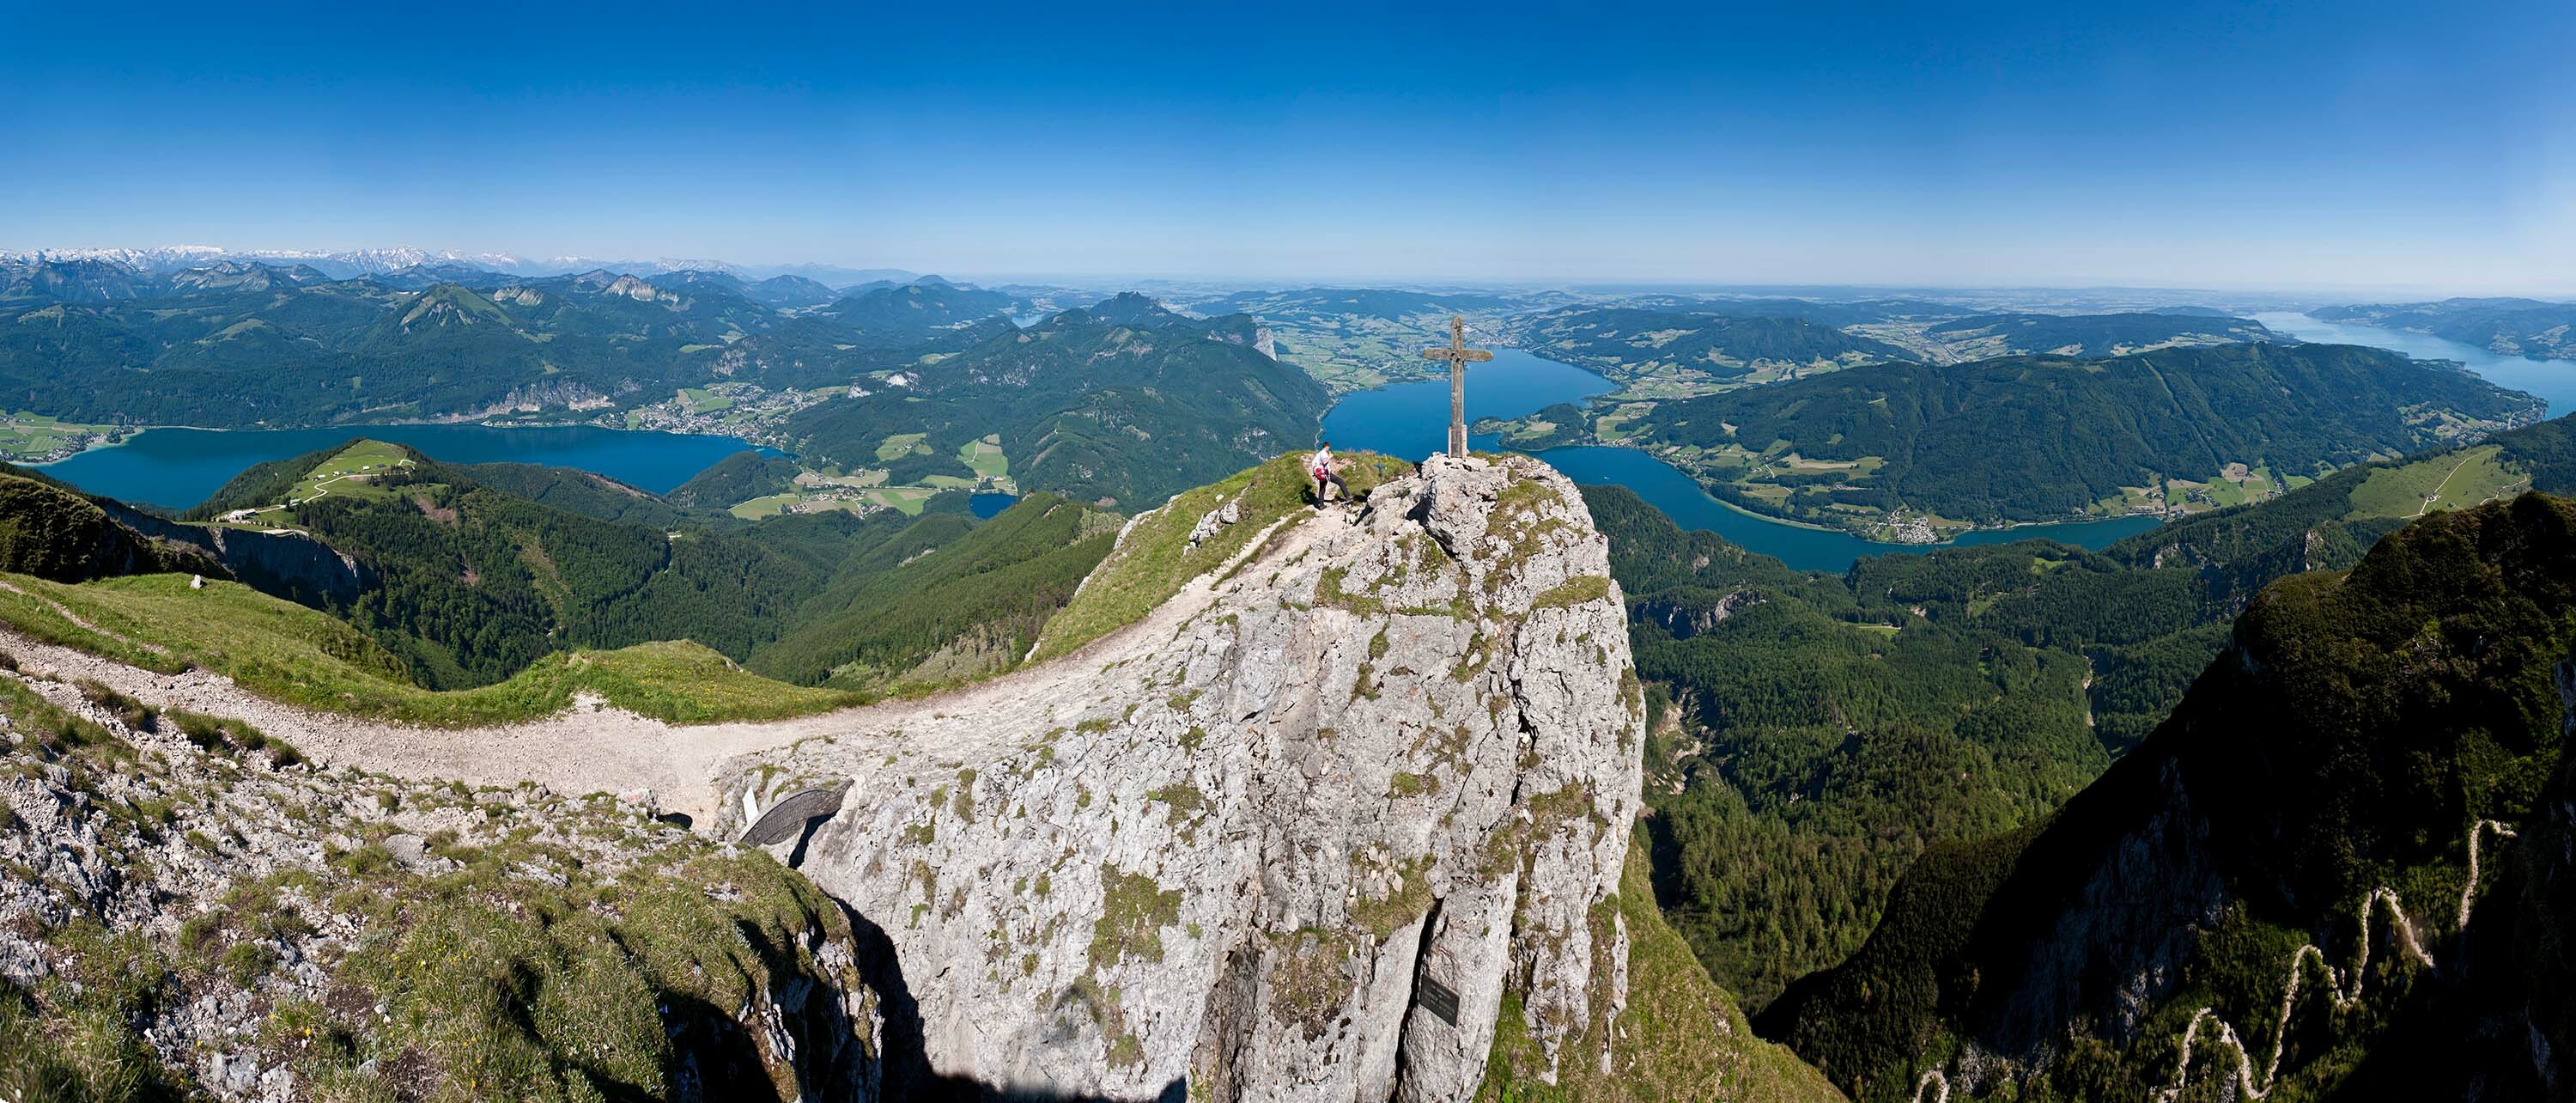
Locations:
column 1410, row 420
column 179, row 468
column 988, row 505
column 2553, row 380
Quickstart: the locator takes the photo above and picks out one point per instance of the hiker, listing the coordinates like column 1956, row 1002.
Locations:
column 1320, row 467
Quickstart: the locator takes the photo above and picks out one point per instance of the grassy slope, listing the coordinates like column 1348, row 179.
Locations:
column 1155, row 560
column 293, row 654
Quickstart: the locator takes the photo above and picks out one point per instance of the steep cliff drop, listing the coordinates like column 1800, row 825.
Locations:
column 1308, row 831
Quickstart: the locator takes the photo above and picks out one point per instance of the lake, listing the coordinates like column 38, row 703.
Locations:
column 2552, row 380
column 179, row 468
column 1410, row 420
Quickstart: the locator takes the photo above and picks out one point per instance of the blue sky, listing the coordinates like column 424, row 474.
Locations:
column 2295, row 146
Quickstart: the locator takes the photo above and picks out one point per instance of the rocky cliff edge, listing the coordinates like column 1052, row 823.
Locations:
column 1309, row 831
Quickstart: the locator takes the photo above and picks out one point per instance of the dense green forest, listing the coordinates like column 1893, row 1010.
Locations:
column 2030, row 438
column 585, row 493
column 740, row 477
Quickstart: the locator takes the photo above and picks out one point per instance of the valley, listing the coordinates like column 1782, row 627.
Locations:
column 950, row 588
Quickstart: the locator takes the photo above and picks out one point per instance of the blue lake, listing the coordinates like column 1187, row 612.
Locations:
column 2553, row 380
column 989, row 506
column 1410, row 420
column 179, row 468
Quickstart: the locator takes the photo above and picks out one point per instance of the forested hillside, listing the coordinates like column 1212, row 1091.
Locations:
column 1831, row 728
column 2319, row 798
column 1695, row 350
column 238, row 344
column 1916, row 451
column 55, row 533
column 1813, row 708
column 1091, row 409
column 471, row 582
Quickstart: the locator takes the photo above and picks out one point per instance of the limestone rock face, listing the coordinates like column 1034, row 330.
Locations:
column 1391, row 752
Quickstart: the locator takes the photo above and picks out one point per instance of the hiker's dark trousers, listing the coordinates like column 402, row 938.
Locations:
column 1324, row 485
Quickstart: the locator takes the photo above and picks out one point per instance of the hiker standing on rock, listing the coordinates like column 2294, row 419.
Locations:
column 1320, row 467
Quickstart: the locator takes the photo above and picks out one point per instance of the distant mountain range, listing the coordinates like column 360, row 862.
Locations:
column 2513, row 327
column 349, row 263
column 233, row 343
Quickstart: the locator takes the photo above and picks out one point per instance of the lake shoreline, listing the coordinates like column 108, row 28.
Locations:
column 1893, row 545
column 178, row 466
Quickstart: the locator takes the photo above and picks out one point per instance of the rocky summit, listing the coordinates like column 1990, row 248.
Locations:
column 1308, row 831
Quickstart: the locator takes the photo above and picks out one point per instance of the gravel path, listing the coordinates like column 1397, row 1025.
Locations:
column 596, row 748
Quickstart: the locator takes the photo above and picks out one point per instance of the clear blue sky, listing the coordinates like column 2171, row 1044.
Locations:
column 2312, row 145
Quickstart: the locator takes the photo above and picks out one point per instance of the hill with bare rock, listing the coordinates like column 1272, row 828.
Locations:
column 1283, row 804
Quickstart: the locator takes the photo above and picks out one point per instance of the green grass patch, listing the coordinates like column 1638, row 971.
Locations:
column 350, row 471
column 289, row 653
column 985, row 457
column 898, row 445
column 2451, row 480
column 767, row 505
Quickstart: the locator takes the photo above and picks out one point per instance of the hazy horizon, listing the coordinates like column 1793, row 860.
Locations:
column 2396, row 150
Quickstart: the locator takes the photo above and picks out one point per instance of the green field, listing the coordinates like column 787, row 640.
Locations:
column 899, row 445
column 985, row 457
column 702, row 401
column 289, row 653
column 2451, row 481
column 768, row 506
column 907, row 499
column 350, row 471
column 37, row 437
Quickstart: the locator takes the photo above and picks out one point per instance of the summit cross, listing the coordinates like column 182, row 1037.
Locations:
column 1459, row 356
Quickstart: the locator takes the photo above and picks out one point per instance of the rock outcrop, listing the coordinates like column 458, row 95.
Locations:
column 191, row 910
column 286, row 563
column 1311, row 831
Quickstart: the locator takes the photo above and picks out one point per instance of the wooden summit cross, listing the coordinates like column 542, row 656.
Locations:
column 1459, row 356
